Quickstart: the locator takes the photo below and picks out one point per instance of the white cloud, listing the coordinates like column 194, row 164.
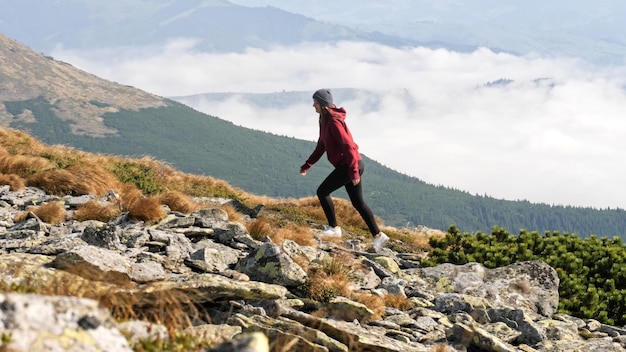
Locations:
column 555, row 134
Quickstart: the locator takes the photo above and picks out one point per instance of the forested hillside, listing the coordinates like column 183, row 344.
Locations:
column 267, row 164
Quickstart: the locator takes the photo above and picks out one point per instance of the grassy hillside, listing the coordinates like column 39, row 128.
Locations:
column 266, row 164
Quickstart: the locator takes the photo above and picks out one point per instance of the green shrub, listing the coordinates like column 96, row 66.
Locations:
column 141, row 176
column 592, row 271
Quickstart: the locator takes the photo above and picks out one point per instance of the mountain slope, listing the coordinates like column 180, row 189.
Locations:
column 593, row 31
column 59, row 104
column 219, row 25
column 76, row 97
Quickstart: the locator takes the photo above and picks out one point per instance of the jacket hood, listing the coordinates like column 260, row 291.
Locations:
column 338, row 113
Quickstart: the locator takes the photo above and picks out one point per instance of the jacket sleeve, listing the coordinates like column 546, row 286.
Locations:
column 315, row 156
column 349, row 149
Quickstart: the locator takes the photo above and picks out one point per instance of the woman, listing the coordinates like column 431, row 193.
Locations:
column 336, row 140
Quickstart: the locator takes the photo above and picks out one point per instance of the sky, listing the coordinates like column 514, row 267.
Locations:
column 555, row 134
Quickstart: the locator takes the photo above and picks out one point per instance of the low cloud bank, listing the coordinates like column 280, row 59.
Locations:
column 549, row 130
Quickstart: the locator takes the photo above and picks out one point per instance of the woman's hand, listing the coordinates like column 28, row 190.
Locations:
column 303, row 169
column 356, row 182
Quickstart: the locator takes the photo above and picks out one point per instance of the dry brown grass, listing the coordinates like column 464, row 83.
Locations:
column 147, row 209
column 373, row 302
column 340, row 263
column 331, row 278
column 19, row 217
column 347, row 217
column 173, row 308
column 259, row 228
column 411, row 240
column 285, row 342
column 255, row 199
column 76, row 180
column 93, row 210
column 440, row 348
column 15, row 182
column 197, row 186
column 23, row 155
column 309, row 205
column 52, row 213
column 18, row 142
column 279, row 232
column 129, row 196
column 233, row 214
column 302, row 235
column 302, row 261
column 177, row 201
column 24, row 165
column 59, row 182
column 398, row 301
column 93, row 179
column 324, row 287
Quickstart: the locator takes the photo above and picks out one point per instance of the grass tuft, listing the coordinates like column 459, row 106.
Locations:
column 14, row 181
column 330, row 278
column 52, row 213
column 172, row 308
column 398, row 301
column 178, row 201
column 259, row 228
column 93, row 210
column 302, row 235
column 373, row 302
column 24, row 165
column 75, row 180
column 58, row 182
column 233, row 214
column 323, row 287
column 129, row 196
column 440, row 348
column 147, row 209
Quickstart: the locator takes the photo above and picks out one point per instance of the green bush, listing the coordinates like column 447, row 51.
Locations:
column 141, row 176
column 592, row 271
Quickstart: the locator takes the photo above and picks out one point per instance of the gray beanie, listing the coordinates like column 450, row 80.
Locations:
column 324, row 97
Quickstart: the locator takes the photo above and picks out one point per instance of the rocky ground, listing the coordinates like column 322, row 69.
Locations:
column 251, row 290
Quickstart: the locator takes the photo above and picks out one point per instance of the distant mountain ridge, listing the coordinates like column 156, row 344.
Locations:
column 218, row 25
column 592, row 31
column 60, row 104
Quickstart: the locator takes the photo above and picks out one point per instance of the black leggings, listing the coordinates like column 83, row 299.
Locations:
column 338, row 178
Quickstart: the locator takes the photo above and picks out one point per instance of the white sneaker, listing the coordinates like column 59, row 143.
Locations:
column 332, row 231
column 380, row 241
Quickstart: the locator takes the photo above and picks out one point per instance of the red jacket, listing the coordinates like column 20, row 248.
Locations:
column 336, row 140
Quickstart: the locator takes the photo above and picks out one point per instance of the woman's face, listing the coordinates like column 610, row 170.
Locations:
column 317, row 106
